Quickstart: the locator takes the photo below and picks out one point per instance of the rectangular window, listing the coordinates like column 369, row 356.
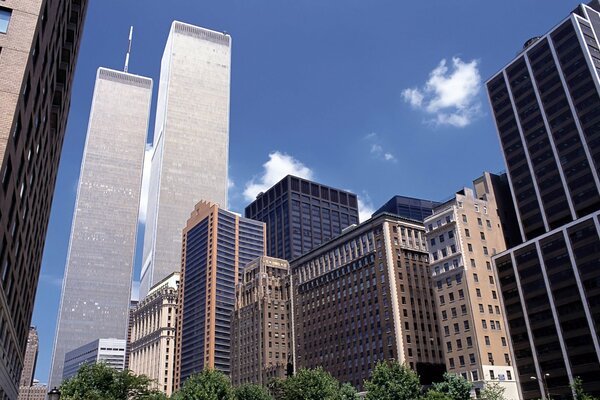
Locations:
column 470, row 247
column 492, row 376
column 5, row 14
column 508, row 375
column 479, row 222
column 485, row 250
column 482, row 235
column 450, row 234
column 467, row 233
column 469, row 342
column 488, row 223
column 475, row 278
column 475, row 375
column 464, row 217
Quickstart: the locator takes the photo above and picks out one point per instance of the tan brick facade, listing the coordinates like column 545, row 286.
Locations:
column 37, row 62
column 261, row 326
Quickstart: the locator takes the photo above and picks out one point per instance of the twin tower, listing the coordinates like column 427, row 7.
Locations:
column 189, row 159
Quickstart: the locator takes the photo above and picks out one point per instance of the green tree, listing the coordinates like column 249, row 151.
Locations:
column 100, row 382
column 277, row 388
column 580, row 394
column 252, row 392
column 311, row 384
column 207, row 385
column 493, row 391
column 435, row 395
column 393, row 381
column 347, row 392
column 455, row 387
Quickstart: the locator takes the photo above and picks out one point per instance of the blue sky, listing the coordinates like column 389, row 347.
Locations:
column 379, row 97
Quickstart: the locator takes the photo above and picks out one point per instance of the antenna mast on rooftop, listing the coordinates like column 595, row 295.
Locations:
column 128, row 49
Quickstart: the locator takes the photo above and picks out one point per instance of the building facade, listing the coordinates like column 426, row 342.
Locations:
column 261, row 325
column 545, row 104
column 29, row 389
column 300, row 215
column 192, row 119
column 152, row 343
column 30, row 361
column 132, row 305
column 107, row 351
column 97, row 284
column 216, row 246
column 364, row 297
column 40, row 42
column 36, row 391
column 463, row 235
column 408, row 207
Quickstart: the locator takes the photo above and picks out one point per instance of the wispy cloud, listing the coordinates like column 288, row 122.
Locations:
column 145, row 184
column 278, row 166
column 365, row 207
column 450, row 94
column 377, row 150
column 51, row 280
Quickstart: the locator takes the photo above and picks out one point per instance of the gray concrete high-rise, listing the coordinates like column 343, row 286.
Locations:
column 191, row 142
column 39, row 42
column 97, row 283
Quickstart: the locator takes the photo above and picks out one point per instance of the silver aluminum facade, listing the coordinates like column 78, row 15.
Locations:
column 97, row 283
column 191, row 142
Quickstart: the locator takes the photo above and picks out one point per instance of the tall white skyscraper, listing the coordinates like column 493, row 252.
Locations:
column 191, row 142
column 97, row 283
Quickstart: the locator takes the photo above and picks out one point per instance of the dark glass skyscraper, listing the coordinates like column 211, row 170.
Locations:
column 408, row 207
column 300, row 215
column 546, row 105
column 216, row 246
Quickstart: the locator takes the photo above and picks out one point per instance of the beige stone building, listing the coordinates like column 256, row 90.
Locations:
column 152, row 346
column 28, row 388
column 261, row 329
column 463, row 234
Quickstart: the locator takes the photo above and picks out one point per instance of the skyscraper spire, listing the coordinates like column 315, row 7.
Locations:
column 128, row 49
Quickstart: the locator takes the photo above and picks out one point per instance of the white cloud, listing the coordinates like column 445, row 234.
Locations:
column 230, row 183
column 145, row 184
column 377, row 149
column 450, row 93
column 365, row 207
column 278, row 166
column 51, row 280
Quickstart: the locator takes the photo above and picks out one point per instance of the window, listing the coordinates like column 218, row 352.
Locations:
column 446, row 331
column 450, row 234
column 463, row 309
column 433, row 242
column 492, row 325
column 442, row 301
column 467, row 233
column 444, row 315
column 470, row 247
column 464, row 218
column 490, row 309
column 494, row 295
column 475, row 278
column 478, row 291
column 485, row 250
column 487, row 341
column 491, row 358
column 488, row 223
column 475, row 375
column 481, row 308
column 488, row 265
column 482, row 235
column 473, row 263
column 441, row 238
column 458, row 278
column 497, row 309
column 461, row 360
column 492, row 376
column 5, row 14
column 507, row 358
column 451, row 362
column 458, row 344
column 476, row 208
column 466, row 324
column 503, row 339
column 439, row 284
column 472, row 358
column 484, row 324
column 454, row 313
column 461, row 294
column 451, row 296
column 469, row 342
column 456, row 328
column 508, row 375
column 449, row 347
column 491, row 280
